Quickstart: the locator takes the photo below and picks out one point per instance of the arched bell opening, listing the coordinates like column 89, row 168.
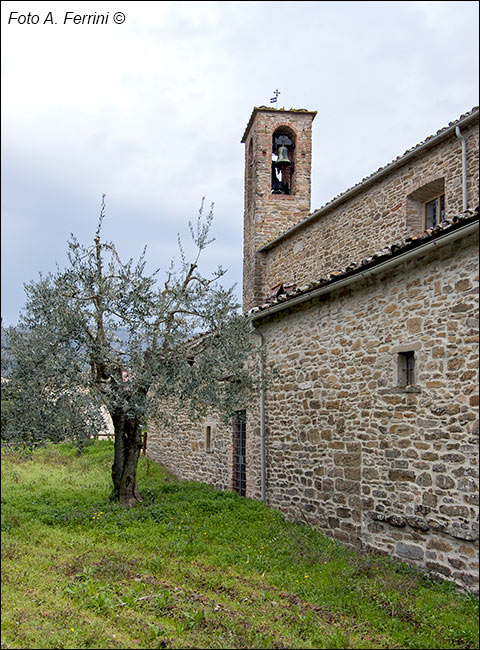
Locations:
column 283, row 160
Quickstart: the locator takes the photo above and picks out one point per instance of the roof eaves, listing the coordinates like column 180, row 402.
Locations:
column 289, row 295
column 431, row 140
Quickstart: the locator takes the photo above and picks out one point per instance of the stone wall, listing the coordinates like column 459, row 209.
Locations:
column 181, row 447
column 366, row 460
column 350, row 450
column 382, row 213
column 267, row 215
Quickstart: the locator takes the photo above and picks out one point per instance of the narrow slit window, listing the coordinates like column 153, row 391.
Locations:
column 208, row 438
column 406, row 368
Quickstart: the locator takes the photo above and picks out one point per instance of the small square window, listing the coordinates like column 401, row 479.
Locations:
column 435, row 211
column 406, row 368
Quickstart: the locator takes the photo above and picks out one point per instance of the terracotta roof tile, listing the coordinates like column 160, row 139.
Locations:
column 371, row 176
column 285, row 292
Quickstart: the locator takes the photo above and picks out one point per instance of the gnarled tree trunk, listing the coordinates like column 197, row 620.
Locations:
column 128, row 443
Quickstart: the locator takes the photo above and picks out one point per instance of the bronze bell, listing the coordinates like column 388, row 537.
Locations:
column 282, row 160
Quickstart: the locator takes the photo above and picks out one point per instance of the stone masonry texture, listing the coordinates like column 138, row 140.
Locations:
column 350, row 449
column 372, row 219
column 369, row 462
column 268, row 215
column 181, row 446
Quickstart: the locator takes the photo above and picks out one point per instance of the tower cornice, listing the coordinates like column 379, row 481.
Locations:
column 267, row 109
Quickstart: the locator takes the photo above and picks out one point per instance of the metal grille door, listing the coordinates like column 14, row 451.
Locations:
column 239, row 460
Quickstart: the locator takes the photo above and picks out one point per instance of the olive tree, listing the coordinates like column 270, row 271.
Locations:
column 105, row 333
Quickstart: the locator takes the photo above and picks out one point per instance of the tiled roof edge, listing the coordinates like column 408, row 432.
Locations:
column 399, row 160
column 287, row 293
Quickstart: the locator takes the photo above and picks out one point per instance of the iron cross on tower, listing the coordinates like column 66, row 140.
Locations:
column 274, row 100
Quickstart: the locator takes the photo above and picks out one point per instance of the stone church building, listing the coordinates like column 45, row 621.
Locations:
column 367, row 308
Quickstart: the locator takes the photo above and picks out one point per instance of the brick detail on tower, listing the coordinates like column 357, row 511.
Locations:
column 267, row 215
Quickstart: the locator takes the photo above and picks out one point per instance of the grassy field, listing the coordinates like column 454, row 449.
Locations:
column 194, row 568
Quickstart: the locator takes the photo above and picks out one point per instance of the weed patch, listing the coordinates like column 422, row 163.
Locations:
column 175, row 572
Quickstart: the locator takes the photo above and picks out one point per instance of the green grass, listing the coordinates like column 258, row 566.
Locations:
column 194, row 568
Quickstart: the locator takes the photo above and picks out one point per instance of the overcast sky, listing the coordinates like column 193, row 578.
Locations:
column 151, row 111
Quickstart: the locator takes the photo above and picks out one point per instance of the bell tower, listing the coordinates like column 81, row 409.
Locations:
column 278, row 162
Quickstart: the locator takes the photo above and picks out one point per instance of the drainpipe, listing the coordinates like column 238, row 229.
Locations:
column 262, row 412
column 464, row 168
